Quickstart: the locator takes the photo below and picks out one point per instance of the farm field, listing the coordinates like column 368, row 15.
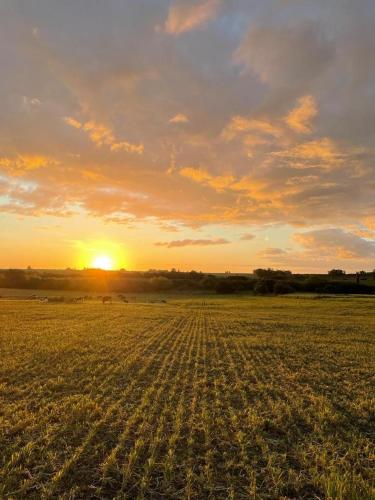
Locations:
column 207, row 397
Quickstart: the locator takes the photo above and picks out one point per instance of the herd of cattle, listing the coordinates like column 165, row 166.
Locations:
column 105, row 299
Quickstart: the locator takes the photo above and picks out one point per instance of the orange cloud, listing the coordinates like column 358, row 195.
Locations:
column 272, row 252
column 199, row 175
column 369, row 222
column 72, row 122
column 179, row 118
column 183, row 18
column 239, row 124
column 247, row 237
column 25, row 162
column 252, row 142
column 102, row 135
column 190, row 242
column 321, row 153
column 299, row 119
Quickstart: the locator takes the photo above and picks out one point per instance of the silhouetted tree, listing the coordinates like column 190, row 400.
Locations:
column 282, row 288
column 272, row 273
column 336, row 273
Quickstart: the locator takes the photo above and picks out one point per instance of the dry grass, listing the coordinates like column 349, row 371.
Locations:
column 201, row 398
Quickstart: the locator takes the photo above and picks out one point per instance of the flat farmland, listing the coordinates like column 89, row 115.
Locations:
column 206, row 397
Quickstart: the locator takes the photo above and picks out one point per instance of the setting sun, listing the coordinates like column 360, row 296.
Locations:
column 102, row 262
column 100, row 254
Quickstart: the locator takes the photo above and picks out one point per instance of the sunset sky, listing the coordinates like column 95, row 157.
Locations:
column 211, row 135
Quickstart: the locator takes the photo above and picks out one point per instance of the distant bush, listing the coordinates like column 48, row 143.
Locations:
column 282, row 288
column 264, row 287
column 160, row 284
column 336, row 273
column 272, row 273
column 313, row 283
column 226, row 287
column 208, row 283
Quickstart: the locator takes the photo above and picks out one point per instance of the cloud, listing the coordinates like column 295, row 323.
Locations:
column 22, row 163
column 102, row 135
column 320, row 153
column 179, row 118
column 241, row 124
column 247, row 236
column 200, row 175
column 72, row 122
column 299, row 119
column 336, row 242
column 190, row 242
column 285, row 55
column 183, row 18
column 272, row 252
column 26, row 198
column 30, row 103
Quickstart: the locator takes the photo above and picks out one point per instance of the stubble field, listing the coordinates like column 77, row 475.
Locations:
column 196, row 398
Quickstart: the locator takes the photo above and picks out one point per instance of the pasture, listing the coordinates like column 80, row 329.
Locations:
column 201, row 397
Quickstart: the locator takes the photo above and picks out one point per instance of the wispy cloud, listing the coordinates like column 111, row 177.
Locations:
column 200, row 175
column 102, row 135
column 22, row 163
column 299, row 119
column 247, row 237
column 191, row 242
column 179, row 118
column 320, row 153
column 272, row 252
column 185, row 17
column 240, row 124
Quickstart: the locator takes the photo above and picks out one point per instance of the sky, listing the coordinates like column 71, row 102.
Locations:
column 212, row 135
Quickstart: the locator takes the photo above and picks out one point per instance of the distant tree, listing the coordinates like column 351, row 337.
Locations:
column 160, row 284
column 14, row 278
column 271, row 273
column 336, row 273
column 361, row 275
column 195, row 275
column 282, row 288
column 208, row 283
column 226, row 287
column 263, row 287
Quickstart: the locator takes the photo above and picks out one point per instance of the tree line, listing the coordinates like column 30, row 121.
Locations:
column 261, row 281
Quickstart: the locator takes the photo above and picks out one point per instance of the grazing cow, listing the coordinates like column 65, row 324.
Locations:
column 107, row 299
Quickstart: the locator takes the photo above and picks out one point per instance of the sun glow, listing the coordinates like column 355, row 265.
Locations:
column 101, row 254
column 102, row 262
